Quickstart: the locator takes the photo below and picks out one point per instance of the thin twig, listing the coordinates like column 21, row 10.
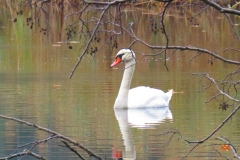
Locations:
column 24, row 153
column 191, row 150
column 91, row 153
column 216, row 129
column 89, row 41
column 165, row 33
column 231, row 146
column 73, row 150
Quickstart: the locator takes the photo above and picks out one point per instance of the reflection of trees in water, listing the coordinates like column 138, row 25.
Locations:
column 106, row 26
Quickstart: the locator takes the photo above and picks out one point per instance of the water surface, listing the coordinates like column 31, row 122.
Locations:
column 34, row 86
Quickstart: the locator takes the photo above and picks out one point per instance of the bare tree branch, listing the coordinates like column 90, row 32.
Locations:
column 89, row 41
column 219, row 90
column 232, row 26
column 216, row 129
column 73, row 150
column 24, row 153
column 221, row 9
column 231, row 146
column 91, row 153
column 165, row 33
column 190, row 151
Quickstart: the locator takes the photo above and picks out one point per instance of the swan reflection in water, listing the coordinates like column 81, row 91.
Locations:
column 144, row 118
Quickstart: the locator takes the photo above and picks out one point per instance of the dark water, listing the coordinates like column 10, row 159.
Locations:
column 34, row 86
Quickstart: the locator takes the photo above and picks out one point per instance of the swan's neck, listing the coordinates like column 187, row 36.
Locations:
column 122, row 98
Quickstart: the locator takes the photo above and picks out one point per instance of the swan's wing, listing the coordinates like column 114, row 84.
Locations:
column 147, row 97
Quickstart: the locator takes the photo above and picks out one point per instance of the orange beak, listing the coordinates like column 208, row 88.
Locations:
column 116, row 61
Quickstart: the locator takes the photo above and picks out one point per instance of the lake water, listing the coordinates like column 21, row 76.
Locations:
column 35, row 87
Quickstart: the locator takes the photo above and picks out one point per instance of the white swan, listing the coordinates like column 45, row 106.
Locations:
column 139, row 97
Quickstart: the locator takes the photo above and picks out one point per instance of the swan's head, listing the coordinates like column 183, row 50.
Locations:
column 126, row 56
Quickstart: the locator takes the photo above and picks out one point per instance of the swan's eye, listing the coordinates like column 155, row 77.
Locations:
column 119, row 56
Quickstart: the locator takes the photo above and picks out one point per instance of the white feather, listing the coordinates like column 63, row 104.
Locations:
column 139, row 97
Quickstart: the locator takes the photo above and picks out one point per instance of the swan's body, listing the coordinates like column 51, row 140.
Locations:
column 148, row 97
column 139, row 97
